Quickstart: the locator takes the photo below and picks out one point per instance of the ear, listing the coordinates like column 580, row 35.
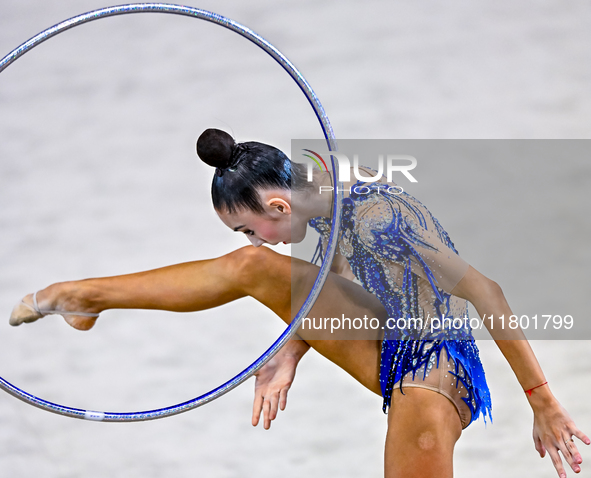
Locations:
column 279, row 204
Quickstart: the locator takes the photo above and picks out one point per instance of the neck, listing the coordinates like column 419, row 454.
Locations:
column 311, row 202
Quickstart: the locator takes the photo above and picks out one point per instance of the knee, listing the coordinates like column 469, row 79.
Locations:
column 428, row 437
column 427, row 419
column 252, row 263
column 427, row 440
column 419, row 450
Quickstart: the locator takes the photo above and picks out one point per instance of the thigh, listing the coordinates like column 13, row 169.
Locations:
column 283, row 283
column 360, row 352
column 439, row 375
column 423, row 427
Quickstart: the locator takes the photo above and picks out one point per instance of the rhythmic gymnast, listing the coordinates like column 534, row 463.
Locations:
column 394, row 260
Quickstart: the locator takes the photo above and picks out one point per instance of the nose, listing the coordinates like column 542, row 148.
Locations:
column 255, row 241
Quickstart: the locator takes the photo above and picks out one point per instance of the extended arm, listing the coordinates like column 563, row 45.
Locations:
column 553, row 428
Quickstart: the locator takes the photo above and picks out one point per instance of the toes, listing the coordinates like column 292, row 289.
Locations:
column 23, row 314
column 79, row 322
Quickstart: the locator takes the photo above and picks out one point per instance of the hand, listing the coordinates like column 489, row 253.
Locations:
column 273, row 382
column 553, row 432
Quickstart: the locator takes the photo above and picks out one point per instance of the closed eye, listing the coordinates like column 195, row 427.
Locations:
column 248, row 232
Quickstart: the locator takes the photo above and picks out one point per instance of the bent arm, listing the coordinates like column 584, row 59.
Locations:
column 553, row 428
column 489, row 300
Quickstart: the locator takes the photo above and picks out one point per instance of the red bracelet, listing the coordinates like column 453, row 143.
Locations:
column 530, row 390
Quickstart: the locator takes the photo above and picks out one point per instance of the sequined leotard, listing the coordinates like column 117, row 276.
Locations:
column 400, row 253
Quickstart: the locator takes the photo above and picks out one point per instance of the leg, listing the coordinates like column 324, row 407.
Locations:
column 359, row 358
column 422, row 423
column 257, row 272
column 181, row 288
column 423, row 427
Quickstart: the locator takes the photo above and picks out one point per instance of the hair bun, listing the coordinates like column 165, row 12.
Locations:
column 215, row 148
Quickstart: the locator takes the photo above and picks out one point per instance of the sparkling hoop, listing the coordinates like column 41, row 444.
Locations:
column 324, row 269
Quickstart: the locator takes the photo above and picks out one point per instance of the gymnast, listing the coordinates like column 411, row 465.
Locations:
column 394, row 260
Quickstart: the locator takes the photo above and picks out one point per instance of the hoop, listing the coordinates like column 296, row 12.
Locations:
column 324, row 269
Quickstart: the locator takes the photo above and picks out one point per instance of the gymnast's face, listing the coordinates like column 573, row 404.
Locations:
column 273, row 226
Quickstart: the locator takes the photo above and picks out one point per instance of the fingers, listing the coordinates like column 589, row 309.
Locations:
column 571, row 452
column 568, row 448
column 270, row 409
column 256, row 408
column 540, row 447
column 274, row 399
column 269, row 406
column 572, row 455
column 581, row 436
column 556, row 461
column 283, row 398
column 266, row 409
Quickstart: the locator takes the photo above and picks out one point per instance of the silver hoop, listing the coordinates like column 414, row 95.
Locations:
column 324, row 269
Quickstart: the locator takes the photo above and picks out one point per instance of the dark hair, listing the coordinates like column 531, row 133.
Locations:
column 242, row 169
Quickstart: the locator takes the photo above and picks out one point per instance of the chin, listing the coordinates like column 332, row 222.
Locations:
column 296, row 239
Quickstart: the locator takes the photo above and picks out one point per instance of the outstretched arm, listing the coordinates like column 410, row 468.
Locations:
column 553, row 427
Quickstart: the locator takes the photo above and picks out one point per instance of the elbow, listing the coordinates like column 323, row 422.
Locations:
column 478, row 289
column 497, row 297
column 493, row 290
column 490, row 297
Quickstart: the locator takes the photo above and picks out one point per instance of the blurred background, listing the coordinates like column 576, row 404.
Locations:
column 98, row 176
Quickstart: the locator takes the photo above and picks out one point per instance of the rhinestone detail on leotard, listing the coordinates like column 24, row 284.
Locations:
column 399, row 252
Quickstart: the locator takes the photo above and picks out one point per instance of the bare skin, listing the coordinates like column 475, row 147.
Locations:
column 423, row 426
column 268, row 277
column 553, row 427
column 427, row 437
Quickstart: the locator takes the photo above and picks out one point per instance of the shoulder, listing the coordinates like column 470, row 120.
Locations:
column 320, row 224
column 362, row 176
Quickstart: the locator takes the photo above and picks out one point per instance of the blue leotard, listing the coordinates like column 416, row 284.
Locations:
column 400, row 253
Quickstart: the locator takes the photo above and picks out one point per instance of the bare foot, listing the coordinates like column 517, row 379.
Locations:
column 56, row 299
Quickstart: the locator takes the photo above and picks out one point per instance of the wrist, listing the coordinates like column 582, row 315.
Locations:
column 295, row 348
column 531, row 390
column 540, row 397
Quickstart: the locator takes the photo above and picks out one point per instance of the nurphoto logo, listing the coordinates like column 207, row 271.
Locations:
column 390, row 163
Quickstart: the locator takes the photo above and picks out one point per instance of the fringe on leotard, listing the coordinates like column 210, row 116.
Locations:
column 400, row 357
column 405, row 351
